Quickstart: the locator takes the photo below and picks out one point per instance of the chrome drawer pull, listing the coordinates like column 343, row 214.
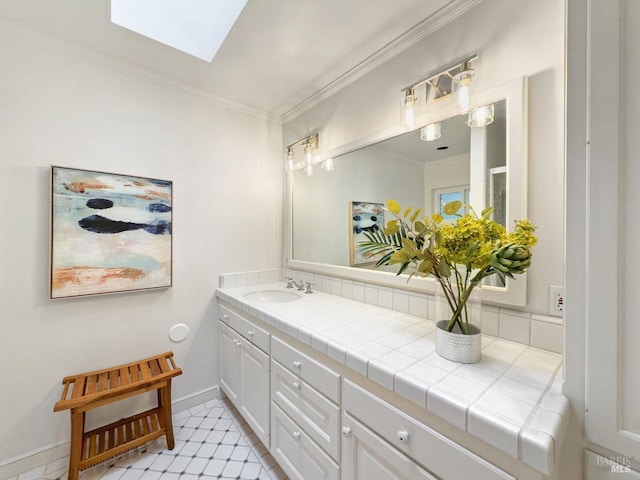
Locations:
column 225, row 317
column 403, row 436
column 237, row 342
column 346, row 432
column 296, row 385
column 297, row 364
column 295, row 435
column 251, row 333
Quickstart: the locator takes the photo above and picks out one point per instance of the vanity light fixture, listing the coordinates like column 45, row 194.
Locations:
column 439, row 85
column 481, row 116
column 309, row 145
column 430, row 133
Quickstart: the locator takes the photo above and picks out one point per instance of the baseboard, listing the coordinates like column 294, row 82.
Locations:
column 48, row 454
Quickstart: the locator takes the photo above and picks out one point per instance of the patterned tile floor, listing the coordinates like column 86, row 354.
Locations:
column 212, row 442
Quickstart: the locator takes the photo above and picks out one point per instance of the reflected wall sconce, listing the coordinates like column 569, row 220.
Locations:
column 481, row 116
column 455, row 78
column 430, row 133
column 309, row 145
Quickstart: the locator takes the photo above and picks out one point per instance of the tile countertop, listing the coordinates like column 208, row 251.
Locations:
column 511, row 399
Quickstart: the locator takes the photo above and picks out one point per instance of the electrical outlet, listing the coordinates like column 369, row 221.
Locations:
column 556, row 301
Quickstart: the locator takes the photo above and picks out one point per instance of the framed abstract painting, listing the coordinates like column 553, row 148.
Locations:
column 363, row 216
column 110, row 233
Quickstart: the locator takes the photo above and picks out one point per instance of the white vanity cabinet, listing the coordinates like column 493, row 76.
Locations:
column 244, row 373
column 305, row 420
column 382, row 442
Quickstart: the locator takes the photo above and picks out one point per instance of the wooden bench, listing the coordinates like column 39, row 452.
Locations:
column 94, row 389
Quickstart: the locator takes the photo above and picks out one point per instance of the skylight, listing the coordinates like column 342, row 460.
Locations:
column 196, row 27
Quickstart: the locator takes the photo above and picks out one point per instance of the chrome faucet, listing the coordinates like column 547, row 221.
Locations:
column 292, row 283
column 300, row 286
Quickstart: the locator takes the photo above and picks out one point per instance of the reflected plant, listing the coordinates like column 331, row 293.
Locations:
column 459, row 255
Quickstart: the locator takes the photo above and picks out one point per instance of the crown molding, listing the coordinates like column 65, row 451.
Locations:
column 453, row 9
column 56, row 45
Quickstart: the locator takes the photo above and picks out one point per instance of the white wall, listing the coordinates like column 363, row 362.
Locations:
column 226, row 167
column 513, row 39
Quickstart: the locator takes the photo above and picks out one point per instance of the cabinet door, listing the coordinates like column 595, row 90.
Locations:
column 254, row 385
column 366, row 456
column 230, row 363
column 297, row 453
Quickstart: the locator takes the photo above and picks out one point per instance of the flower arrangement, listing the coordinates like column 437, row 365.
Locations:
column 459, row 255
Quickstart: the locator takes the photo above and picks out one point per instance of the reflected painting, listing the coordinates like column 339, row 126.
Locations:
column 364, row 216
column 109, row 233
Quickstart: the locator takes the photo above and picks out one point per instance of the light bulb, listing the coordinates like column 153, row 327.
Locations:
column 430, row 133
column 290, row 162
column 462, row 84
column 307, row 153
column 329, row 164
column 481, row 116
column 408, row 102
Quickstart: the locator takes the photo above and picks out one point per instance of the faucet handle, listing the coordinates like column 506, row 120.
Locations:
column 308, row 290
column 289, row 282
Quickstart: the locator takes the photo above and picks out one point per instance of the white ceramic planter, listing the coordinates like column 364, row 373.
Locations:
column 458, row 347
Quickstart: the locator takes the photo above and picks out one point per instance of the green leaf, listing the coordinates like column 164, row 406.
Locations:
column 452, row 207
column 392, row 228
column 487, row 212
column 443, row 269
column 415, row 215
column 425, row 266
column 394, row 207
column 437, row 218
column 407, row 212
column 420, row 227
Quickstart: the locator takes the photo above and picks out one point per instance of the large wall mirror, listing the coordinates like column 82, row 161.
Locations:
column 484, row 166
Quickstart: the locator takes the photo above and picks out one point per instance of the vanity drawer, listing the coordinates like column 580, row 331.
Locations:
column 297, row 454
column 437, row 453
column 250, row 331
column 325, row 380
column 318, row 416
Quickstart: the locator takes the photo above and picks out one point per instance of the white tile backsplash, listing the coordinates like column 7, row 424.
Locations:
column 537, row 330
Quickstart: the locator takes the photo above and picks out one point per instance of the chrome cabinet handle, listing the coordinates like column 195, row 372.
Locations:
column 225, row 317
column 237, row 342
column 346, row 432
column 295, row 435
column 297, row 364
column 296, row 385
column 251, row 333
column 403, row 436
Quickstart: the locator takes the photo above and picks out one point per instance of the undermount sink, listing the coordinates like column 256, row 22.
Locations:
column 272, row 296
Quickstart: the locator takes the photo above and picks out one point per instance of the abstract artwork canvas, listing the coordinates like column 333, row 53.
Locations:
column 363, row 216
column 109, row 233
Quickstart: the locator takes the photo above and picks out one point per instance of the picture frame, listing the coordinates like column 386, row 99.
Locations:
column 110, row 233
column 362, row 217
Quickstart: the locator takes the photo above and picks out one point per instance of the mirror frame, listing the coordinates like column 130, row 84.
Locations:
column 515, row 292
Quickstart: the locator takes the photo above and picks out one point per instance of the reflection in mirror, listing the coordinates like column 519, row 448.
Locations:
column 464, row 163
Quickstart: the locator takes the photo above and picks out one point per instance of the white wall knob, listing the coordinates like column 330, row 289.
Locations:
column 346, row 431
column 297, row 364
column 403, row 436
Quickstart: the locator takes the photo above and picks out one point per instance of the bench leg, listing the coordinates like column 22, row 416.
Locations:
column 164, row 400
column 77, row 432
